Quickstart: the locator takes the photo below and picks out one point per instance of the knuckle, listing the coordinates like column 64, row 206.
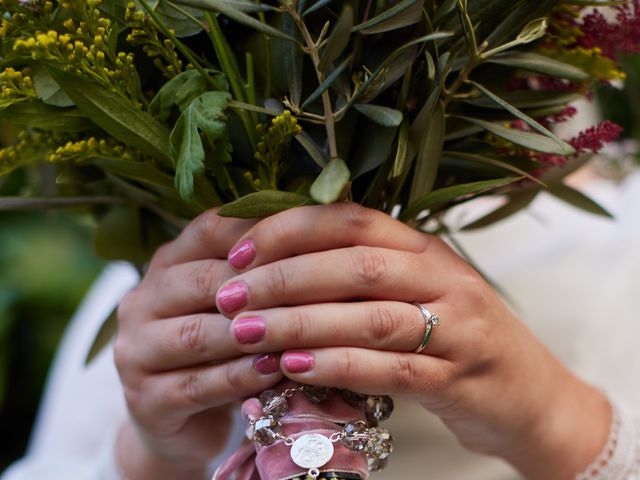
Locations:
column 349, row 368
column 205, row 226
column 298, row 326
column 205, row 278
column 356, row 216
column 162, row 255
column 193, row 335
column 134, row 399
column 236, row 379
column 404, row 374
column 381, row 323
column 280, row 227
column 127, row 306
column 121, row 355
column 277, row 282
column 369, row 267
column 192, row 388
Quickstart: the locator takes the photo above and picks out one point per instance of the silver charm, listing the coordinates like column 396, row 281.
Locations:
column 312, row 451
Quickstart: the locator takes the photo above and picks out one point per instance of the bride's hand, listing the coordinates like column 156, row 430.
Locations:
column 333, row 288
column 180, row 369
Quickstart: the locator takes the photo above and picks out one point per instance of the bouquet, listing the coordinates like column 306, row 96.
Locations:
column 150, row 112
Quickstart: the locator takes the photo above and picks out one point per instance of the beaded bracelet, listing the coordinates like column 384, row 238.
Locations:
column 313, row 450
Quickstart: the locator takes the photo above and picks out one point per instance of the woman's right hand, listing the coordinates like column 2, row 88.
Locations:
column 179, row 367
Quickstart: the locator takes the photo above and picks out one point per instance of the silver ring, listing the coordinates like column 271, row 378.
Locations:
column 430, row 320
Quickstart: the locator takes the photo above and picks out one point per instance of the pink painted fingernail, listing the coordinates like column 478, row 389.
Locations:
column 249, row 329
column 242, row 254
column 298, row 362
column 232, row 297
column 267, row 364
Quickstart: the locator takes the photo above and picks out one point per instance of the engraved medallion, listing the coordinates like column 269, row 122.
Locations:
column 311, row 451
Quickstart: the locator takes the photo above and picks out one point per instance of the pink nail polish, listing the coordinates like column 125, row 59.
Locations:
column 232, row 297
column 267, row 364
column 242, row 254
column 298, row 362
column 249, row 329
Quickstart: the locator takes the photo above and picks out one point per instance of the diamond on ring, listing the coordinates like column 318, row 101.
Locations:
column 430, row 320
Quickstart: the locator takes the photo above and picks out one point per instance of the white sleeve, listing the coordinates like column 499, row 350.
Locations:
column 83, row 407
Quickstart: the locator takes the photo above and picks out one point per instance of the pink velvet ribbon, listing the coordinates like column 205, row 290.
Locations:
column 273, row 462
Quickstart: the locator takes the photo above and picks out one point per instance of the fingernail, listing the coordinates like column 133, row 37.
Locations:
column 249, row 329
column 267, row 364
column 298, row 362
column 242, row 254
column 232, row 297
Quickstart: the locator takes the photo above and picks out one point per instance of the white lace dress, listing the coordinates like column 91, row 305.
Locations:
column 574, row 279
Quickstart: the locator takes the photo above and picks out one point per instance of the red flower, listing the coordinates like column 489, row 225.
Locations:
column 621, row 36
column 594, row 139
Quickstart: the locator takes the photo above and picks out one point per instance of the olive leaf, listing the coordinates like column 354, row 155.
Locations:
column 331, row 182
column 205, row 114
column 339, row 38
column 263, row 204
column 534, row 62
column 385, row 116
column 578, row 199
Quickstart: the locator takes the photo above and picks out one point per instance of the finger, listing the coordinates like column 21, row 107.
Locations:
column 316, row 228
column 337, row 275
column 373, row 372
column 392, row 326
column 185, row 288
column 184, row 342
column 208, row 236
column 182, row 393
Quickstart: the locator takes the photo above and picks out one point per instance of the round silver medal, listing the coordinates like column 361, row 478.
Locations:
column 312, row 451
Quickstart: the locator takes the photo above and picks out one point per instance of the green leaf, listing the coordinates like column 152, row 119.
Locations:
column 405, row 18
column 529, row 140
column 115, row 115
column 326, row 83
column 390, row 13
column 181, row 90
column 331, row 182
column 263, row 204
column 372, row 149
column 578, row 199
column 534, row 62
column 429, row 153
column 293, row 61
column 339, row 38
column 205, row 114
column 385, row 116
column 402, row 151
column 455, row 192
column 517, row 202
column 36, row 114
column 236, row 13
column 54, row 203
column 314, row 151
column 528, row 99
column 47, row 89
column 482, row 159
column 185, row 21
column 525, row 118
column 316, row 6
column 106, row 333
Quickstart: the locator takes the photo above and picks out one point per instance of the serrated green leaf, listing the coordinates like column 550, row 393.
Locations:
column 449, row 194
column 181, row 90
column 47, row 89
column 533, row 141
column 263, row 204
column 534, row 62
column 115, row 115
column 385, row 116
column 331, row 182
column 205, row 114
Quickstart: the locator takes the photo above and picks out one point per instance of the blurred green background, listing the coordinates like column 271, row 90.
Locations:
column 47, row 263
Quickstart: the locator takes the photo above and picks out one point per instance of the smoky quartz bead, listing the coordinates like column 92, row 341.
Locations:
column 266, row 430
column 378, row 409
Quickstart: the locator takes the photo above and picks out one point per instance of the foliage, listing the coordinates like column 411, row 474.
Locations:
column 154, row 111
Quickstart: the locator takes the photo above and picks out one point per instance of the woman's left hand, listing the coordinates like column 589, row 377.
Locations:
column 333, row 288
